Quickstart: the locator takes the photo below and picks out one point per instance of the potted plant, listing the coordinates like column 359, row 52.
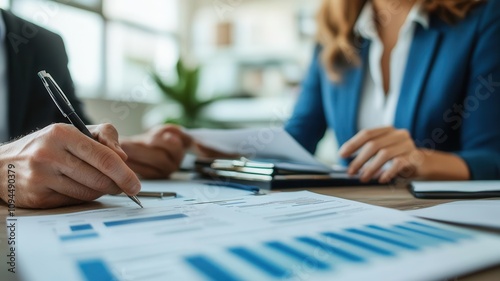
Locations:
column 184, row 92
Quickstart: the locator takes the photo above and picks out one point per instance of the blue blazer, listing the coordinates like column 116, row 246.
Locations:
column 450, row 97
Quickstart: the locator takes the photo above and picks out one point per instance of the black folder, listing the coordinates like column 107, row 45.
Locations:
column 274, row 174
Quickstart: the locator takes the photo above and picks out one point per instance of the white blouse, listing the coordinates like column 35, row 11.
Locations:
column 377, row 109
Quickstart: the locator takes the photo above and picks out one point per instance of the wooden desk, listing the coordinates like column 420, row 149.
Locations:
column 396, row 197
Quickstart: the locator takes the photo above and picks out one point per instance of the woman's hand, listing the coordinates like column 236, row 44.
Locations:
column 374, row 148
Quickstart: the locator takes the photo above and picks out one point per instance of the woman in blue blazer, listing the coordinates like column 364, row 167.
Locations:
column 411, row 88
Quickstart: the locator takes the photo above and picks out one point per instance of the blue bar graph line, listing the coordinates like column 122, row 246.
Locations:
column 425, row 233
column 260, row 262
column 81, row 227
column 386, row 230
column 298, row 255
column 454, row 233
column 95, row 270
column 78, row 236
column 384, row 239
column 210, row 269
column 411, row 237
column 142, row 220
column 359, row 244
column 331, row 249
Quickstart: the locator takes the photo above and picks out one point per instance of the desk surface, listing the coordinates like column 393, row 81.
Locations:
column 396, row 197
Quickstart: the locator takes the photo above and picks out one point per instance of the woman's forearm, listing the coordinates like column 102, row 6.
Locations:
column 438, row 165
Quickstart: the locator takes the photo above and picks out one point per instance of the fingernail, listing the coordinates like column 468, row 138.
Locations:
column 136, row 188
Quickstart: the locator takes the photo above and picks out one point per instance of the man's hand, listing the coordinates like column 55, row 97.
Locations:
column 377, row 147
column 59, row 166
column 157, row 153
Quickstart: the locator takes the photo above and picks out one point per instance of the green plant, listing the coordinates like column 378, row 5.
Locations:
column 185, row 93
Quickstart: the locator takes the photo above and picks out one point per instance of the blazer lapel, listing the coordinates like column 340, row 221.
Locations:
column 19, row 64
column 353, row 81
column 423, row 49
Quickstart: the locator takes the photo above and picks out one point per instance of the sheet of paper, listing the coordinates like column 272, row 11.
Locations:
column 472, row 212
column 292, row 235
column 196, row 190
column 273, row 143
column 456, row 186
column 190, row 191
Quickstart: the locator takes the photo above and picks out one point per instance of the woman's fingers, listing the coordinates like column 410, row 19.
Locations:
column 401, row 166
column 382, row 157
column 370, row 149
column 360, row 139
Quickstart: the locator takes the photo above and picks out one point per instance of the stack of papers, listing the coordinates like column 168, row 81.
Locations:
column 291, row 236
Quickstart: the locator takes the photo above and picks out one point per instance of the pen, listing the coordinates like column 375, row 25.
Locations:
column 159, row 194
column 67, row 110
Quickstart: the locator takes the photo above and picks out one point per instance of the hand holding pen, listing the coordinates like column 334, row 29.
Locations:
column 73, row 164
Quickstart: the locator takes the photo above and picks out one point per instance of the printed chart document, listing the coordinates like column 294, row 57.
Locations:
column 272, row 143
column 280, row 236
column 472, row 212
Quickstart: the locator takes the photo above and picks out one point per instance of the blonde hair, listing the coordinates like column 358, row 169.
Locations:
column 336, row 20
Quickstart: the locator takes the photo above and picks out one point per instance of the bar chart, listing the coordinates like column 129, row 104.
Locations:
column 282, row 236
column 350, row 247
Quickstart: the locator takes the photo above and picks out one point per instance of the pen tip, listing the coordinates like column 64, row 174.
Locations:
column 136, row 200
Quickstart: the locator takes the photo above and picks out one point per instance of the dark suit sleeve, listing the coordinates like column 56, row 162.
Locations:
column 52, row 56
column 307, row 124
column 480, row 136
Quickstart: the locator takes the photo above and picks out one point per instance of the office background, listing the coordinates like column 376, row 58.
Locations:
column 252, row 52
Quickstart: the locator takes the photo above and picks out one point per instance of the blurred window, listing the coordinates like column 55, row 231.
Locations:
column 112, row 44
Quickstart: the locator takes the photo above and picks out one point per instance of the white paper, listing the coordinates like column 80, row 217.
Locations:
column 195, row 190
column 456, row 186
column 483, row 213
column 189, row 191
column 273, row 143
column 249, row 238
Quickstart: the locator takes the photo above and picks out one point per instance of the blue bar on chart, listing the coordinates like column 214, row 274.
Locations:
column 95, row 270
column 451, row 233
column 298, row 255
column 81, row 227
column 210, row 269
column 409, row 236
column 73, row 237
column 425, row 233
column 143, row 220
column 359, row 243
column 260, row 262
column 422, row 241
column 384, row 239
column 331, row 249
